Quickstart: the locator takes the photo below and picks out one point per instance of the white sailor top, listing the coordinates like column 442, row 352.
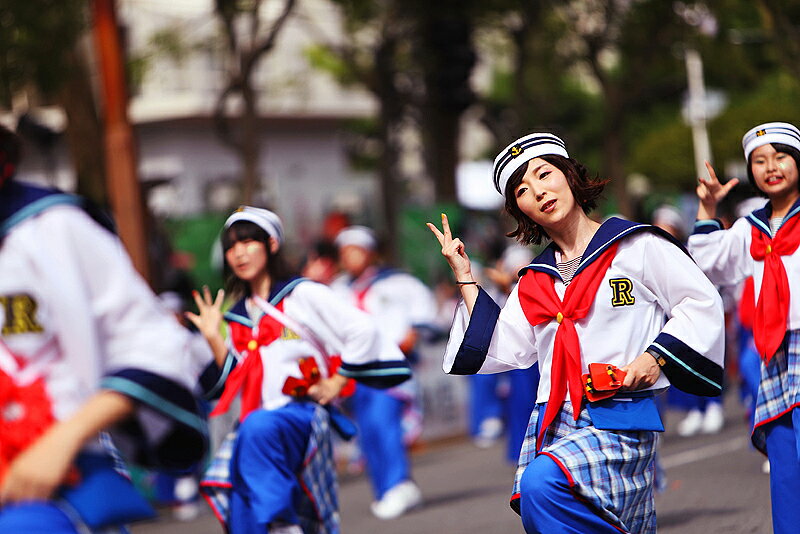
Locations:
column 724, row 255
column 339, row 328
column 653, row 298
column 75, row 313
column 396, row 300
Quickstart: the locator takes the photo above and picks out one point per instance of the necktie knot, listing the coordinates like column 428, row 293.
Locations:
column 252, row 345
column 769, row 249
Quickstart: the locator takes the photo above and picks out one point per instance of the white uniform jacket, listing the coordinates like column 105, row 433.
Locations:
column 653, row 298
column 724, row 255
column 342, row 329
column 75, row 312
column 396, row 300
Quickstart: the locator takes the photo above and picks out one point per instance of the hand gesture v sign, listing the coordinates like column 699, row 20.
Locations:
column 454, row 251
column 710, row 192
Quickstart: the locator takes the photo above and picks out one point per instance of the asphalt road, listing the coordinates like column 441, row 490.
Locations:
column 715, row 484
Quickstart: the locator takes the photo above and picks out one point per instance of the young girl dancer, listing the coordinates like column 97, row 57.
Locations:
column 622, row 295
column 283, row 334
column 764, row 245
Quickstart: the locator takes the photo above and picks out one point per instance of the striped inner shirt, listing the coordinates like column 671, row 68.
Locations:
column 567, row 269
column 774, row 224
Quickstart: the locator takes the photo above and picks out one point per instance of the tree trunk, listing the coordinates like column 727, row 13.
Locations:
column 614, row 151
column 250, row 144
column 84, row 135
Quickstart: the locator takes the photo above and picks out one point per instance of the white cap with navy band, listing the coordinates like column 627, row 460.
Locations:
column 264, row 219
column 770, row 132
column 522, row 151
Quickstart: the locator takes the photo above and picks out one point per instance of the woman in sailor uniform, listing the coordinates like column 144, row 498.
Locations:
column 619, row 294
column 764, row 245
column 85, row 347
column 286, row 337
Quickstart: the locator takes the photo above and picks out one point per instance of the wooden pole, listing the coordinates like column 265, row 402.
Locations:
column 121, row 174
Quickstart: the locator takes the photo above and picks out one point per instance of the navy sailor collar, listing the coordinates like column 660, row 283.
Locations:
column 760, row 218
column 280, row 289
column 611, row 231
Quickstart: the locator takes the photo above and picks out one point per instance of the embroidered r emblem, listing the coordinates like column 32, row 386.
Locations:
column 622, row 288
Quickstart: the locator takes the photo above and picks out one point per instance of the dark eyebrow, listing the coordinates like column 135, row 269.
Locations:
column 536, row 170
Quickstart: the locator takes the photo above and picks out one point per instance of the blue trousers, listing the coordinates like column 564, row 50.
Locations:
column 483, row 400
column 267, row 458
column 380, row 434
column 36, row 518
column 547, row 504
column 784, row 475
column 521, row 400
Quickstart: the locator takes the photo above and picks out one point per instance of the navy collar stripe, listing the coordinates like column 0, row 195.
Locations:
column 760, row 218
column 610, row 232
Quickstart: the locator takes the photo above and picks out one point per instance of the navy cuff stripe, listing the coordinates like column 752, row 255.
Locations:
column 707, row 226
column 212, row 381
column 378, row 374
column 472, row 352
column 186, row 442
column 687, row 369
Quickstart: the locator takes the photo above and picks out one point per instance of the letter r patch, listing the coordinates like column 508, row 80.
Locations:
column 622, row 289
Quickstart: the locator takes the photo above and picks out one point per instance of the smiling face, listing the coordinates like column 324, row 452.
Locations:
column 544, row 195
column 775, row 173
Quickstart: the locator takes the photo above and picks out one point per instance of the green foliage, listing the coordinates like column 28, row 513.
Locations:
column 34, row 39
column 325, row 59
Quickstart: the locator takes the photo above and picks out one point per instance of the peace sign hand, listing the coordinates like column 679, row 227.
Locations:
column 209, row 320
column 710, row 192
column 453, row 250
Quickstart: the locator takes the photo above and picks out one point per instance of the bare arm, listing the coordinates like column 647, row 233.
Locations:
column 35, row 474
column 454, row 251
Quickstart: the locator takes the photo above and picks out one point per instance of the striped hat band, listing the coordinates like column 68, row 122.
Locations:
column 770, row 132
column 522, row 151
column 264, row 219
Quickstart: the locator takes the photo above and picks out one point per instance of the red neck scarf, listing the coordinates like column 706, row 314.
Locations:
column 541, row 304
column 772, row 308
column 248, row 375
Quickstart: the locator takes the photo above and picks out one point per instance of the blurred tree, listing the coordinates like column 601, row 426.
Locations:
column 780, row 19
column 376, row 55
column 42, row 57
column 247, row 41
column 446, row 55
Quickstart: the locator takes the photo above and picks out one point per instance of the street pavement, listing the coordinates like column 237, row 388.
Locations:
column 715, row 484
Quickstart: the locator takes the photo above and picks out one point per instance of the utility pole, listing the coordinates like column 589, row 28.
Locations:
column 123, row 183
column 697, row 111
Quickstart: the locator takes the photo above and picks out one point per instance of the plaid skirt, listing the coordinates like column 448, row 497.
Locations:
column 318, row 510
column 612, row 471
column 779, row 388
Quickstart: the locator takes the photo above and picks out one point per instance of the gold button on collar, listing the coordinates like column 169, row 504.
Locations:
column 559, row 317
column 252, row 345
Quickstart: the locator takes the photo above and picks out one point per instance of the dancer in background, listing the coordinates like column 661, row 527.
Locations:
column 619, row 303
column 291, row 346
column 764, row 245
column 398, row 303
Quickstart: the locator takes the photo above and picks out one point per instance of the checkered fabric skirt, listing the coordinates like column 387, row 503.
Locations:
column 779, row 389
column 318, row 510
column 613, row 471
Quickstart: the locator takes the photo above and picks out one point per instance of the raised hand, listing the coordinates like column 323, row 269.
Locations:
column 453, row 250
column 710, row 192
column 209, row 320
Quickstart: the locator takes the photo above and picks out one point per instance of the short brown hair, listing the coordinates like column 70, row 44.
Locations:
column 585, row 189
